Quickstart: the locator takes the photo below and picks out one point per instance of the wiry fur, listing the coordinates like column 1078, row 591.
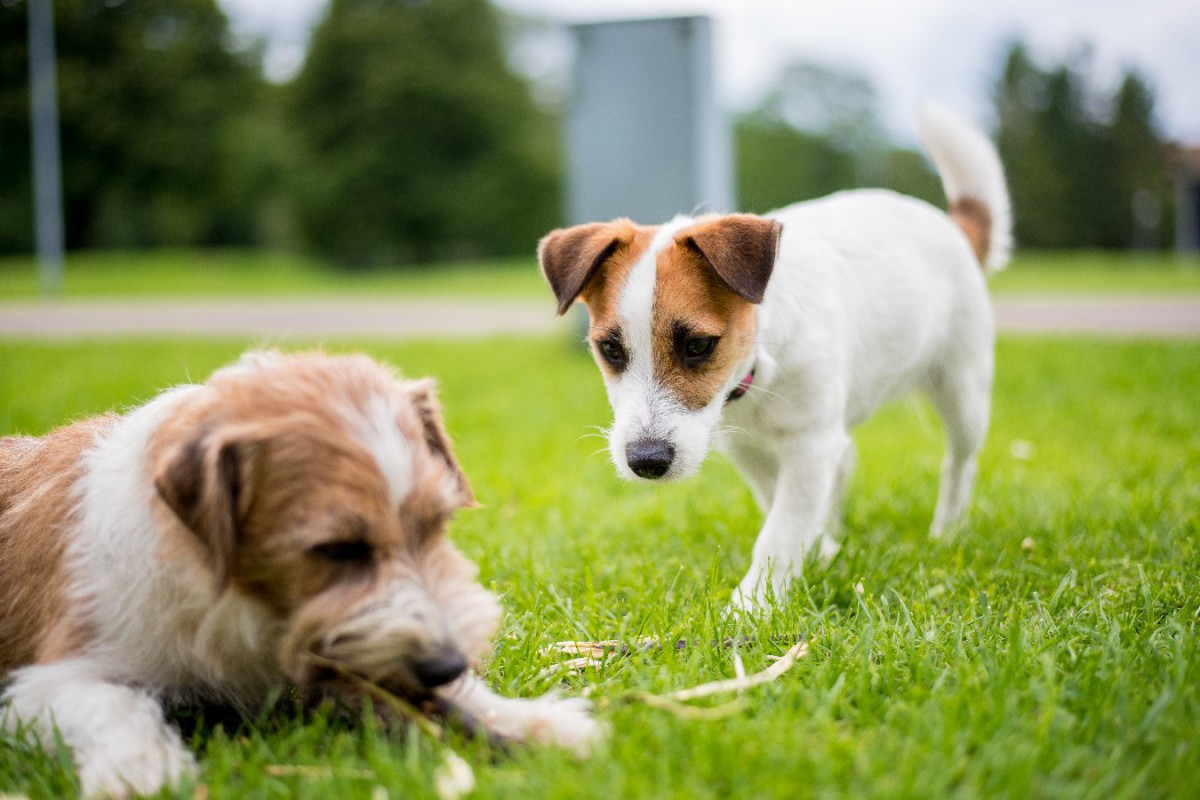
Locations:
column 229, row 537
column 871, row 294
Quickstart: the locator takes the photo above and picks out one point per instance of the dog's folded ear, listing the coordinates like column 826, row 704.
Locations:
column 423, row 394
column 571, row 257
column 204, row 481
column 740, row 248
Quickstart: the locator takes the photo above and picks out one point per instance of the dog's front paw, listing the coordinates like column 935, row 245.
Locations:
column 120, row 769
column 827, row 548
column 750, row 599
column 549, row 720
column 564, row 722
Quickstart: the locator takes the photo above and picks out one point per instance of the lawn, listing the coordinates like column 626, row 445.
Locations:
column 222, row 273
column 1050, row 650
column 216, row 273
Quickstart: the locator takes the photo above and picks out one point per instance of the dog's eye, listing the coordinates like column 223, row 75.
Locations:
column 612, row 351
column 345, row 551
column 699, row 348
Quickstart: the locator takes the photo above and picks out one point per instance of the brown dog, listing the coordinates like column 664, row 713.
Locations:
column 281, row 523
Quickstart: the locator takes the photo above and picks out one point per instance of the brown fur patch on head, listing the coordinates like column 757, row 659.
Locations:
column 691, row 300
column 335, row 482
column 570, row 258
column 37, row 507
column 973, row 217
column 590, row 261
column 424, row 400
column 601, row 294
column 739, row 248
column 708, row 280
column 271, row 470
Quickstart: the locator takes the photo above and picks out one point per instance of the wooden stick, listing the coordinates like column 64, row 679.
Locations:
column 739, row 684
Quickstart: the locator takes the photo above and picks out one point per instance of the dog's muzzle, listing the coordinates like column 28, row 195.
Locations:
column 397, row 639
column 440, row 668
column 649, row 458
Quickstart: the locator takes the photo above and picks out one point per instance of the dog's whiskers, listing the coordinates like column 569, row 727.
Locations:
column 753, row 388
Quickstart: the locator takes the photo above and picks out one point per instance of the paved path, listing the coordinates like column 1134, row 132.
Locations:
column 1099, row 315
column 280, row 318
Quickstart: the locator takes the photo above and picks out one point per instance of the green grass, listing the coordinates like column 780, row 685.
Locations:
column 1050, row 650
column 218, row 273
column 1108, row 273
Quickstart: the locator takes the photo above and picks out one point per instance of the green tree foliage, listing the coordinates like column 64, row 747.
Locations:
column 1076, row 160
column 1141, row 182
column 817, row 132
column 155, row 105
column 417, row 140
column 776, row 164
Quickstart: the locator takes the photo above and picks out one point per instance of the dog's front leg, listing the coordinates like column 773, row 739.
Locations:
column 565, row 722
column 804, row 496
column 121, row 743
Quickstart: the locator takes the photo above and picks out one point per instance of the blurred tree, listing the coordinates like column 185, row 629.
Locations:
column 1075, row 161
column 910, row 172
column 157, row 106
column 818, row 131
column 839, row 105
column 417, row 140
column 777, row 164
column 1036, row 180
column 1143, row 195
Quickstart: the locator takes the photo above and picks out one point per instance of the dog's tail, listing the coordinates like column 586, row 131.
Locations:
column 973, row 180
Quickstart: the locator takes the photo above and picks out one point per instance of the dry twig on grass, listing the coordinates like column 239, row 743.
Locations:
column 742, row 681
column 402, row 707
column 591, row 654
column 316, row 772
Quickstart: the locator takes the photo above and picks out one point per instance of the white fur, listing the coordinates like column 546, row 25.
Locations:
column 872, row 294
column 120, row 740
column 386, row 444
column 970, row 167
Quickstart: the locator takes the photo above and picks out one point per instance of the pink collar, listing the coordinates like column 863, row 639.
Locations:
column 742, row 387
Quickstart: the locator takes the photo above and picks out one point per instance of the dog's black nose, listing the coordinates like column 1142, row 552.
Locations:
column 440, row 668
column 649, row 458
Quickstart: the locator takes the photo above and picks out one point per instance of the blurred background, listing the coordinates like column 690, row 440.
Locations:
column 371, row 134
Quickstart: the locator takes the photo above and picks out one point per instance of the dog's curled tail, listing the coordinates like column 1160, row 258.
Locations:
column 973, row 179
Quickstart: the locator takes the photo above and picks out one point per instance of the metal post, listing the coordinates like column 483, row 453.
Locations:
column 43, row 124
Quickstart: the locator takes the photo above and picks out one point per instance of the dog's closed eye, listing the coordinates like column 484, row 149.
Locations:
column 343, row 551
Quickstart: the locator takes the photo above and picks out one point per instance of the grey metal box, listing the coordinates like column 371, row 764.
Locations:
column 645, row 138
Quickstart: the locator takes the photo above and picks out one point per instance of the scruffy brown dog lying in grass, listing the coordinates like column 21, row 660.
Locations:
column 280, row 524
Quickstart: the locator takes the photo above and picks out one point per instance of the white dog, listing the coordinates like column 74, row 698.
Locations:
column 282, row 522
column 773, row 336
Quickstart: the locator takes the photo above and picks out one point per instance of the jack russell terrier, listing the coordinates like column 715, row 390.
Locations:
column 773, row 336
column 281, row 523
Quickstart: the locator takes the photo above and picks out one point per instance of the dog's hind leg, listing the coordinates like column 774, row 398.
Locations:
column 962, row 397
column 122, row 744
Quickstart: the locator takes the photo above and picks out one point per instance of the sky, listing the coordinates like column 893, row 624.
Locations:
column 913, row 51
